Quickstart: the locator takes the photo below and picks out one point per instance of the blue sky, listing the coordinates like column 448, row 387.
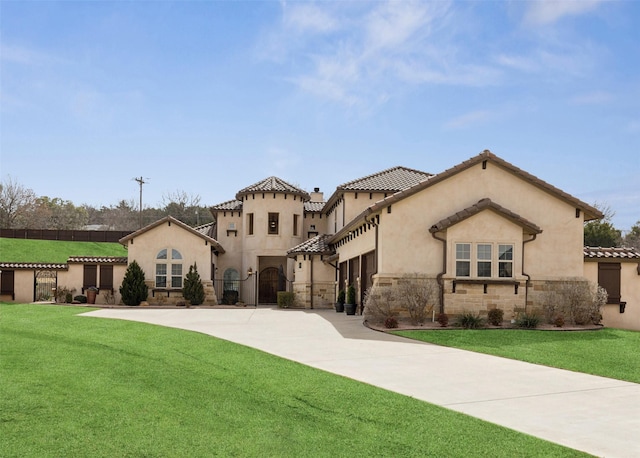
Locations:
column 209, row 97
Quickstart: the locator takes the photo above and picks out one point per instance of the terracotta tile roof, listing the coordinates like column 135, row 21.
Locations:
column 611, row 253
column 485, row 204
column 273, row 184
column 590, row 212
column 230, row 205
column 171, row 220
column 313, row 206
column 390, row 180
column 98, row 259
column 33, row 265
column 315, row 245
column 206, row 229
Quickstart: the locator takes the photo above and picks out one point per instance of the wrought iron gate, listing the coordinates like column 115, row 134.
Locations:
column 45, row 282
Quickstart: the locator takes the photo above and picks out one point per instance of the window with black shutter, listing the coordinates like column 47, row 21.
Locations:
column 609, row 279
column 90, row 276
column 106, row 277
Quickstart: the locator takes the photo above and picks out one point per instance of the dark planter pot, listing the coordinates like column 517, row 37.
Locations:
column 339, row 307
column 91, row 296
column 350, row 309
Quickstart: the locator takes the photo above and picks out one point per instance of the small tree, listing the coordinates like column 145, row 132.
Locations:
column 193, row 290
column 133, row 289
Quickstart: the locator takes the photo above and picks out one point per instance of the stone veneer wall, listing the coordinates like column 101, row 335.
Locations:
column 324, row 295
column 175, row 296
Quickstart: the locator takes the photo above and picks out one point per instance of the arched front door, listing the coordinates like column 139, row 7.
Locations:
column 268, row 286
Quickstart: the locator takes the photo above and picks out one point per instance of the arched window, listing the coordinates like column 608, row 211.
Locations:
column 231, row 280
column 163, row 276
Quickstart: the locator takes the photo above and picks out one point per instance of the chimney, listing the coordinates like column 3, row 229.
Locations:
column 316, row 195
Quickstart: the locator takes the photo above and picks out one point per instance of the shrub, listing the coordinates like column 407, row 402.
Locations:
column 495, row 317
column 418, row 295
column 193, row 291
column 230, row 297
column 377, row 303
column 64, row 294
column 341, row 297
column 351, row 295
column 80, row 298
column 286, row 299
column 578, row 300
column 528, row 321
column 443, row 319
column 391, row 322
column 133, row 289
column 469, row 320
column 558, row 320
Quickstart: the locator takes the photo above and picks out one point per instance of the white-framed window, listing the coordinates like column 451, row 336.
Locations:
column 463, row 259
column 505, row 260
column 483, row 257
column 165, row 277
column 479, row 260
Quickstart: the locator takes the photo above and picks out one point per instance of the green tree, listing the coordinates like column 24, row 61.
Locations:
column 193, row 290
column 133, row 289
column 632, row 239
column 601, row 232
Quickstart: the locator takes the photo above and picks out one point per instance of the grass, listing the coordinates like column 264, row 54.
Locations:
column 607, row 352
column 80, row 386
column 54, row 251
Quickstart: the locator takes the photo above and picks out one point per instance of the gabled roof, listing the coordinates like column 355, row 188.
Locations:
column 206, row 229
column 589, row 211
column 230, row 205
column 390, row 180
column 485, row 204
column 315, row 245
column 611, row 253
column 97, row 259
column 273, row 184
column 171, row 220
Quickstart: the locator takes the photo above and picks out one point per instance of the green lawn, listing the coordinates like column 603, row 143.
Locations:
column 54, row 251
column 80, row 386
column 607, row 352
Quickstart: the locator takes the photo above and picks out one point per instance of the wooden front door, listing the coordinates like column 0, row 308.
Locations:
column 268, row 286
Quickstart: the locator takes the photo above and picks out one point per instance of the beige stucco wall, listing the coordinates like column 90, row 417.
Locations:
column 314, row 284
column 74, row 276
column 404, row 233
column 315, row 219
column 257, row 248
column 405, row 244
column 629, row 293
column 23, row 281
column 193, row 248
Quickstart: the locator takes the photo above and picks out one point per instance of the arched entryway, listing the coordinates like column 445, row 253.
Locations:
column 268, row 285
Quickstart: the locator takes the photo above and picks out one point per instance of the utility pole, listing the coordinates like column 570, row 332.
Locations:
column 140, row 182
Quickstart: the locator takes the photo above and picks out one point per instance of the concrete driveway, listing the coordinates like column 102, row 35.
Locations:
column 597, row 415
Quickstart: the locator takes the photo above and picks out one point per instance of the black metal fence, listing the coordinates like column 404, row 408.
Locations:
column 232, row 292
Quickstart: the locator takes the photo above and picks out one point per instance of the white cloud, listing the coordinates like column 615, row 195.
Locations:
column 307, row 17
column 468, row 119
column 592, row 98
column 542, row 12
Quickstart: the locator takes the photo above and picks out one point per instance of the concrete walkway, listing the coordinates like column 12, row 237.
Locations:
column 597, row 415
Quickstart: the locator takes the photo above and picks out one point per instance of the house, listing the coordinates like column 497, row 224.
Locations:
column 618, row 271
column 165, row 250
column 486, row 233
